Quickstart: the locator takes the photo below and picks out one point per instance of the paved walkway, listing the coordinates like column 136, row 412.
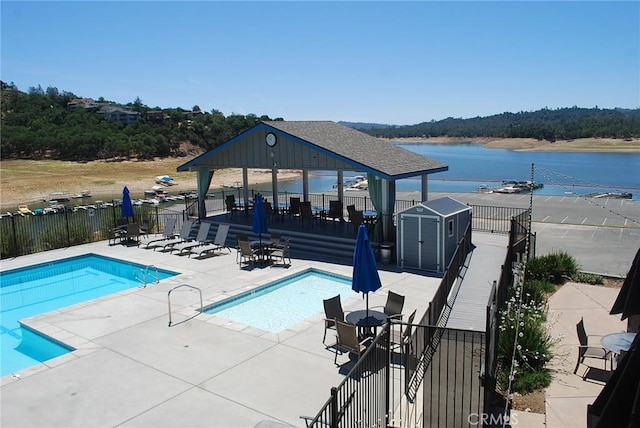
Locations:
column 568, row 395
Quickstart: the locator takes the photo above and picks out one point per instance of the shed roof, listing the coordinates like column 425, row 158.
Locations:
column 345, row 147
column 444, row 207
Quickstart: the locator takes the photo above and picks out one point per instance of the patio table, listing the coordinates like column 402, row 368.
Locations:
column 367, row 325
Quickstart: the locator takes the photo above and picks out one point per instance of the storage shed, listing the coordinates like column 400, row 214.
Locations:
column 428, row 233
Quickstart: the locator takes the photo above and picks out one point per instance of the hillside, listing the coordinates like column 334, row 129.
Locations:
column 52, row 124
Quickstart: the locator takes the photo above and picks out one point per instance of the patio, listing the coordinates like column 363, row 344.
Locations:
column 130, row 369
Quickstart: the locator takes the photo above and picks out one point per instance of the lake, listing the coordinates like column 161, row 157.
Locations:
column 471, row 165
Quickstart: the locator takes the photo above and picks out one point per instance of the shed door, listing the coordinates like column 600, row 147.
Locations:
column 420, row 246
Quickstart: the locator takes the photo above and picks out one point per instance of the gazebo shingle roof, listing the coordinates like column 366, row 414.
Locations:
column 351, row 144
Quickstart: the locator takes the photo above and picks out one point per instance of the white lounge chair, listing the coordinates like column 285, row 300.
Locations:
column 219, row 242
column 169, row 232
column 201, row 238
column 185, row 234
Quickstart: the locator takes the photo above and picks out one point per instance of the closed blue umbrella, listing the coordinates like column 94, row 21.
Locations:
column 259, row 218
column 127, row 206
column 365, row 270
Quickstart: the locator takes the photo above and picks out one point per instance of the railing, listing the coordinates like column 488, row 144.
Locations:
column 169, row 302
column 144, row 274
column 20, row 235
column 374, row 391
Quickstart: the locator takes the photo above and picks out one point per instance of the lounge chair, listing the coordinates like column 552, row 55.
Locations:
column 202, row 238
column 332, row 312
column 168, row 233
column 219, row 242
column 347, row 340
column 281, row 253
column 185, row 233
column 276, row 240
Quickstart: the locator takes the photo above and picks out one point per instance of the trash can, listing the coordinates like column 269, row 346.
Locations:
column 385, row 252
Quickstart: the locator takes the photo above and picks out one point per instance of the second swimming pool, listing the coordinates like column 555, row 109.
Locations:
column 282, row 304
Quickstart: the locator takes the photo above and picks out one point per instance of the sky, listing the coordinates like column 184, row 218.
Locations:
column 380, row 62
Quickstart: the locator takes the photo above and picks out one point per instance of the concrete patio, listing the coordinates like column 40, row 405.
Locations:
column 131, row 369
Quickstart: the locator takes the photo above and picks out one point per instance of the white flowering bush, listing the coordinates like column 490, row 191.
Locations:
column 524, row 343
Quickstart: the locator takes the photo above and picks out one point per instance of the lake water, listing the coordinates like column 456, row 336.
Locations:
column 471, row 165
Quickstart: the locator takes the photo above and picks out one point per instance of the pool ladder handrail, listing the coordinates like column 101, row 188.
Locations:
column 169, row 301
column 145, row 272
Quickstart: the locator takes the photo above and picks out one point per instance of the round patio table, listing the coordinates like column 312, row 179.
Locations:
column 618, row 342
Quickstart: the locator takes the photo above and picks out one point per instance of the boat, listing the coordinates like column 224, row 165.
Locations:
column 483, row 188
column 236, row 185
column 165, row 180
column 507, row 189
column 81, row 195
column 24, row 209
column 57, row 197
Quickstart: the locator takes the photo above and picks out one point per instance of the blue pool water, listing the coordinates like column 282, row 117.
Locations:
column 280, row 305
column 41, row 288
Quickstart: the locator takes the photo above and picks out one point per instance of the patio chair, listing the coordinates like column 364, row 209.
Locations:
column 281, row 253
column 185, row 234
column 246, row 253
column 402, row 338
column 335, row 211
column 332, row 312
column 294, row 207
column 394, row 304
column 587, row 351
column 168, row 232
column 306, row 213
column 230, row 204
column 132, row 233
column 276, row 240
column 268, row 210
column 202, row 238
column 219, row 242
column 356, row 218
column 115, row 236
column 347, row 340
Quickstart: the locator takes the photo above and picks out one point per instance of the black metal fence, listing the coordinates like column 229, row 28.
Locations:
column 27, row 234
column 20, row 235
column 519, row 249
column 374, row 393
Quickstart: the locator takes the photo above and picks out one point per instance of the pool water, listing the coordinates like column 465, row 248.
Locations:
column 281, row 305
column 41, row 288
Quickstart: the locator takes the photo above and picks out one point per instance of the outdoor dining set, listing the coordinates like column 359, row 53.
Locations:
column 303, row 211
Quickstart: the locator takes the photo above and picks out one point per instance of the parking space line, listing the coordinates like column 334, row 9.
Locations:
column 604, row 221
column 564, row 219
column 583, row 221
column 545, row 219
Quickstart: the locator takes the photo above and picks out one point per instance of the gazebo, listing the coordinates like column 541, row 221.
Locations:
column 317, row 145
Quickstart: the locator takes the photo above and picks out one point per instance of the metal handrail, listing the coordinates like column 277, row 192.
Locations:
column 145, row 272
column 169, row 301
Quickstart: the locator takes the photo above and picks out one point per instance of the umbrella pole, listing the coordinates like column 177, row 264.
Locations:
column 367, row 313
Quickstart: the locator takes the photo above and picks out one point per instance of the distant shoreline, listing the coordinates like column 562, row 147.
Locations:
column 31, row 181
column 603, row 145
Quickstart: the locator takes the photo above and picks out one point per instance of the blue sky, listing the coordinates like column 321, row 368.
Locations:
column 385, row 62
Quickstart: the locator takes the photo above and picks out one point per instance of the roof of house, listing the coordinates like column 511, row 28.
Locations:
column 345, row 146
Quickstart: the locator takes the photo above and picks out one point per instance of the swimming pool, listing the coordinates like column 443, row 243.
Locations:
column 280, row 305
column 41, row 288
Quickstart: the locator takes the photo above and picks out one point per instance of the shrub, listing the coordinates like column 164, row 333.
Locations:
column 536, row 291
column 554, row 267
column 589, row 278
